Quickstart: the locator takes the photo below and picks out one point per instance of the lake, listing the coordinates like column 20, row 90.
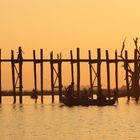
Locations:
column 56, row 122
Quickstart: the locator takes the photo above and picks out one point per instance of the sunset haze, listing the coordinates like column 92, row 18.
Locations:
column 64, row 25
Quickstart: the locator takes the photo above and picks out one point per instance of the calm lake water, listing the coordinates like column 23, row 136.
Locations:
column 56, row 122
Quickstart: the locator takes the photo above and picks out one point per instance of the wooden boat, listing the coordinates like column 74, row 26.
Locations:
column 86, row 102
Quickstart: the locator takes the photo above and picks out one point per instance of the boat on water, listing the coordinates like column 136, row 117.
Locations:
column 85, row 98
column 87, row 101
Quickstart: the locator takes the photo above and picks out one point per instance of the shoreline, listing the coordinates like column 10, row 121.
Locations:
column 121, row 93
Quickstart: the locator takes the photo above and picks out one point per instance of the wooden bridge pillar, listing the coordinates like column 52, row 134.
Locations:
column 20, row 74
column 78, row 72
column 41, row 73
column 72, row 67
column 52, row 76
column 35, row 74
column 99, row 93
column 90, row 70
column 116, row 71
column 13, row 76
column 0, row 79
column 60, row 77
column 108, row 73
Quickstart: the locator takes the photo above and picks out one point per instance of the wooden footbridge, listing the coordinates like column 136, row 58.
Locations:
column 56, row 74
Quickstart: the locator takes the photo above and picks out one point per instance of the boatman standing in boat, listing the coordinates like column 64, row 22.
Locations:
column 34, row 95
column 70, row 90
column 84, row 94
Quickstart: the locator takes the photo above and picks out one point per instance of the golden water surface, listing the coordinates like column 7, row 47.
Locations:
column 56, row 122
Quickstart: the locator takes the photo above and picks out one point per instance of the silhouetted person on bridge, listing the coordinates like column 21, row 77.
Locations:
column 20, row 52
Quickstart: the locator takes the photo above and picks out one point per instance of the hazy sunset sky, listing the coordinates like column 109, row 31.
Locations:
column 61, row 25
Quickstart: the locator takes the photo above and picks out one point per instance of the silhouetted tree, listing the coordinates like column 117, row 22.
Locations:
column 134, row 75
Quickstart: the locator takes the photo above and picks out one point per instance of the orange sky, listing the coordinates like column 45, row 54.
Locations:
column 61, row 25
